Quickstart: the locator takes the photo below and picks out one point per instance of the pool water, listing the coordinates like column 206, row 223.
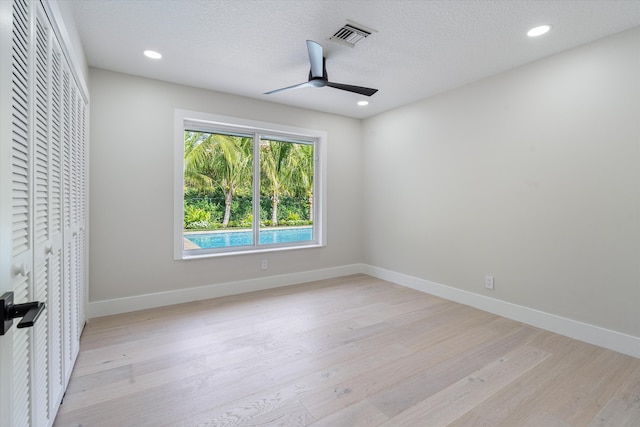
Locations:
column 224, row 239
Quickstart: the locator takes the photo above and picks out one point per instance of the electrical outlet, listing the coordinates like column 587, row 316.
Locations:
column 264, row 264
column 488, row 282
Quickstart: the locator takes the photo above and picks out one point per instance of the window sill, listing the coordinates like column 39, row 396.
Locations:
column 187, row 256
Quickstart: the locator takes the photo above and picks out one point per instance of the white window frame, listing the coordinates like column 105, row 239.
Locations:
column 205, row 122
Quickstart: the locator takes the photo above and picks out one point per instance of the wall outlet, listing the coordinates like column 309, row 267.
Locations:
column 264, row 264
column 488, row 282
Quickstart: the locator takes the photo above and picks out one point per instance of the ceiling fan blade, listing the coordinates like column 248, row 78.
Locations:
column 298, row 86
column 356, row 89
column 315, row 58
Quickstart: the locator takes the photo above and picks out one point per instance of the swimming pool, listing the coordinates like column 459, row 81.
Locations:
column 224, row 239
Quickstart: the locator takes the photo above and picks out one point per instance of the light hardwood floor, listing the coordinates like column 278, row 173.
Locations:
column 352, row 351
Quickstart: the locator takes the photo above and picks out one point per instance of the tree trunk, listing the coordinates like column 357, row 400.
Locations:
column 274, row 209
column 228, row 197
column 311, row 207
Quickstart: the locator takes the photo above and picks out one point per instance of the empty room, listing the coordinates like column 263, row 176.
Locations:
column 320, row 213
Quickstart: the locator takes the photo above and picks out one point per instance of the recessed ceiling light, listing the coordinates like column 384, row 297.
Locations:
column 363, row 103
column 152, row 54
column 538, row 31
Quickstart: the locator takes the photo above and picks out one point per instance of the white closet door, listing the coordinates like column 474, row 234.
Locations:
column 42, row 247
column 71, row 176
column 21, row 207
column 54, row 250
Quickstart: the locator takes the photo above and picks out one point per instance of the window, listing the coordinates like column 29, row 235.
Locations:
column 245, row 186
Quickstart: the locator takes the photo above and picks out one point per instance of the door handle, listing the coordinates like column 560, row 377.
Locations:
column 29, row 312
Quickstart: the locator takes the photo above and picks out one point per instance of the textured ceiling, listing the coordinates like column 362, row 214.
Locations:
column 421, row 48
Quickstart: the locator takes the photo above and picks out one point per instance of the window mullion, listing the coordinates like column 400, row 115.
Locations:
column 256, row 189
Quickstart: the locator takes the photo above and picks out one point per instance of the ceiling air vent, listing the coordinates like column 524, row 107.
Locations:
column 351, row 34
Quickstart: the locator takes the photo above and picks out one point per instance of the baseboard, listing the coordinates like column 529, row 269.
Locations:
column 616, row 341
column 161, row 299
column 591, row 334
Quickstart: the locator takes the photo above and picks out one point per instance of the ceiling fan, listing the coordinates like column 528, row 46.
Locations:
column 318, row 74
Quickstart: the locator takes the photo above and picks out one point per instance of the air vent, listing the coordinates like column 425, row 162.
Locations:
column 351, row 34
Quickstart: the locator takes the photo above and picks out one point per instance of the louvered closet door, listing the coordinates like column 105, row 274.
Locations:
column 42, row 243
column 80, row 203
column 15, row 190
column 70, row 217
column 54, row 249
column 48, row 237
column 22, row 210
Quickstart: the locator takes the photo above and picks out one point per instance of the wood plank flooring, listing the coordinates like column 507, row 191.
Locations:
column 352, row 351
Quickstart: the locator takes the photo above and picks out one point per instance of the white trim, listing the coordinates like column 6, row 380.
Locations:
column 178, row 181
column 591, row 334
column 161, row 299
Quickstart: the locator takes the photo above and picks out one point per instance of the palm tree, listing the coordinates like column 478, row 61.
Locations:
column 275, row 169
column 196, row 160
column 218, row 161
column 301, row 169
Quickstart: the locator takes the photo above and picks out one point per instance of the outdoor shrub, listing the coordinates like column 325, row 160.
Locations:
column 193, row 215
column 208, row 204
column 247, row 221
column 197, row 224
column 291, row 210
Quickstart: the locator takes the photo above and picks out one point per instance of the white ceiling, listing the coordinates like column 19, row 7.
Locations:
column 421, row 48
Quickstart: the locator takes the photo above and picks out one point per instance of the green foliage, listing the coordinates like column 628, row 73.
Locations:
column 195, row 217
column 247, row 221
column 292, row 211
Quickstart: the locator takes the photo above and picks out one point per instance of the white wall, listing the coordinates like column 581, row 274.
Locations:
column 532, row 176
column 131, row 187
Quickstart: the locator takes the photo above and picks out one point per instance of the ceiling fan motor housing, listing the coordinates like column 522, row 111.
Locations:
column 318, row 82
